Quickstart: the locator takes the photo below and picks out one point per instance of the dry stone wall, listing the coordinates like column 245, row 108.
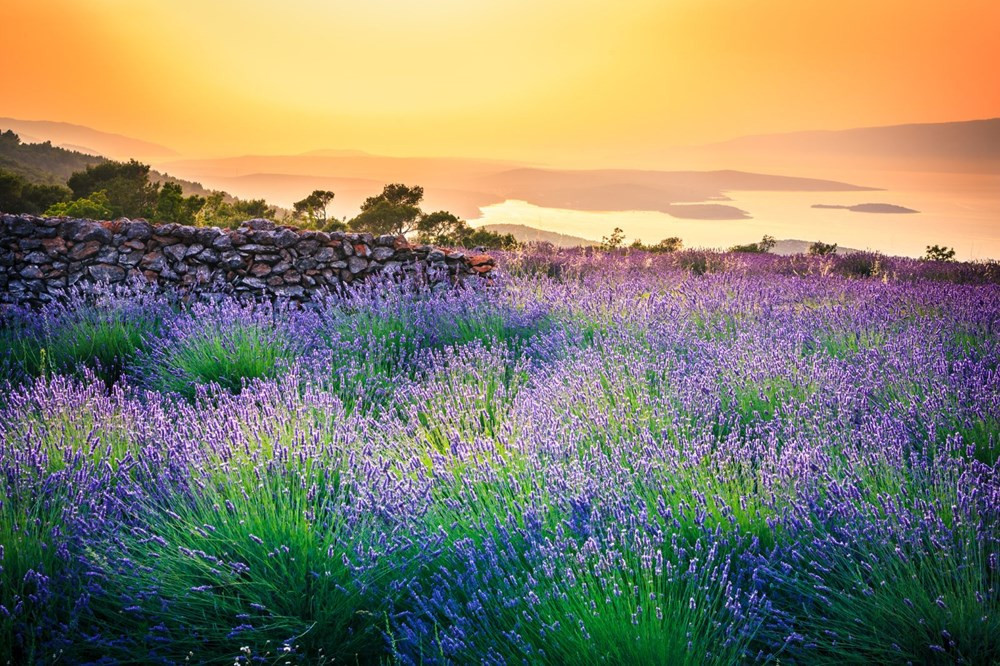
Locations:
column 40, row 257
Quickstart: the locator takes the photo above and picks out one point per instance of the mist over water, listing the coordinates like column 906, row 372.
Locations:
column 958, row 210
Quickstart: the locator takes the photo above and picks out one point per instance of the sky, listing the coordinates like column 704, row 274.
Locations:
column 571, row 83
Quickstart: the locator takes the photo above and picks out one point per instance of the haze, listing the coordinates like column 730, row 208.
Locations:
column 646, row 84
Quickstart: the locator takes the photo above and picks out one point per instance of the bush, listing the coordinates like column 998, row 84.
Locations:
column 861, row 264
column 222, row 346
column 821, row 249
column 939, row 253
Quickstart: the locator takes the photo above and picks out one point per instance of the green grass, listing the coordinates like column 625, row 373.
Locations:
column 260, row 562
column 105, row 341
column 226, row 355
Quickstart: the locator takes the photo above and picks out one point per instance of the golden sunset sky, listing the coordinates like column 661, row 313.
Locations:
column 584, row 83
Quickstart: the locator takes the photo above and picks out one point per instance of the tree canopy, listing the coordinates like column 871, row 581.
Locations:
column 18, row 195
column 130, row 194
column 763, row 246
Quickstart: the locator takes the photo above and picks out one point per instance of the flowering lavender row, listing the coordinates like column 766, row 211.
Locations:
column 624, row 463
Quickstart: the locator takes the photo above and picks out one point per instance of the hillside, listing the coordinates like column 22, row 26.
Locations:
column 85, row 139
column 45, row 163
column 971, row 146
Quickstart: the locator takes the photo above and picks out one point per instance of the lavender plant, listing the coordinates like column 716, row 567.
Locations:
column 690, row 457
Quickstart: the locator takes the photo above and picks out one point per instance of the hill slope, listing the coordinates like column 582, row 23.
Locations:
column 85, row 139
column 526, row 234
column 966, row 146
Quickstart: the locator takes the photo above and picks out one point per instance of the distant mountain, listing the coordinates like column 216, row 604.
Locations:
column 791, row 246
column 966, row 146
column 678, row 193
column 526, row 234
column 85, row 139
column 464, row 186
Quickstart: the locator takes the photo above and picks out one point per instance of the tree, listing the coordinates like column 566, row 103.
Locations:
column 444, row 228
column 312, row 209
column 17, row 195
column 939, row 253
column 614, row 241
column 384, row 217
column 672, row 244
column 489, row 240
column 93, row 207
column 173, row 206
column 821, row 249
column 395, row 211
column 763, row 246
column 130, row 194
column 217, row 212
column 441, row 228
column 397, row 194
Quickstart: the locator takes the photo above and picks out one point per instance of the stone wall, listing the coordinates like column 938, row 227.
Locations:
column 40, row 257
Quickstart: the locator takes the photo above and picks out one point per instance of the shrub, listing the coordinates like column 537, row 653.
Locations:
column 821, row 249
column 939, row 253
column 861, row 264
column 222, row 346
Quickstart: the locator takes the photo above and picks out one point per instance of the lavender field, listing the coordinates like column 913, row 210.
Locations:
column 595, row 459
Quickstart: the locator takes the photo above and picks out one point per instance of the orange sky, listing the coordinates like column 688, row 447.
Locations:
column 582, row 82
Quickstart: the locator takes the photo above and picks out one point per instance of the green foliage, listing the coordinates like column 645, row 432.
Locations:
column 763, row 246
column 821, row 249
column 441, row 228
column 218, row 212
column 614, row 241
column 444, row 228
column 31, row 551
column 384, row 217
column 665, row 246
column 223, row 354
column 886, row 605
column 861, row 264
column 17, row 195
column 939, row 253
column 130, row 194
column 103, row 340
column 173, row 206
column 258, row 564
column 312, row 210
column 394, row 211
column 41, row 163
column 490, row 240
column 94, row 207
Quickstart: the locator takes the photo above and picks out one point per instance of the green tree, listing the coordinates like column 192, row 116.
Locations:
column 18, row 195
column 441, row 228
column 395, row 211
column 217, row 212
column 39, row 197
column 490, row 240
column 939, row 253
column 667, row 245
column 444, row 228
column 821, row 249
column 763, row 246
column 312, row 209
column 93, row 207
column 130, row 194
column 672, row 244
column 11, row 191
column 173, row 206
